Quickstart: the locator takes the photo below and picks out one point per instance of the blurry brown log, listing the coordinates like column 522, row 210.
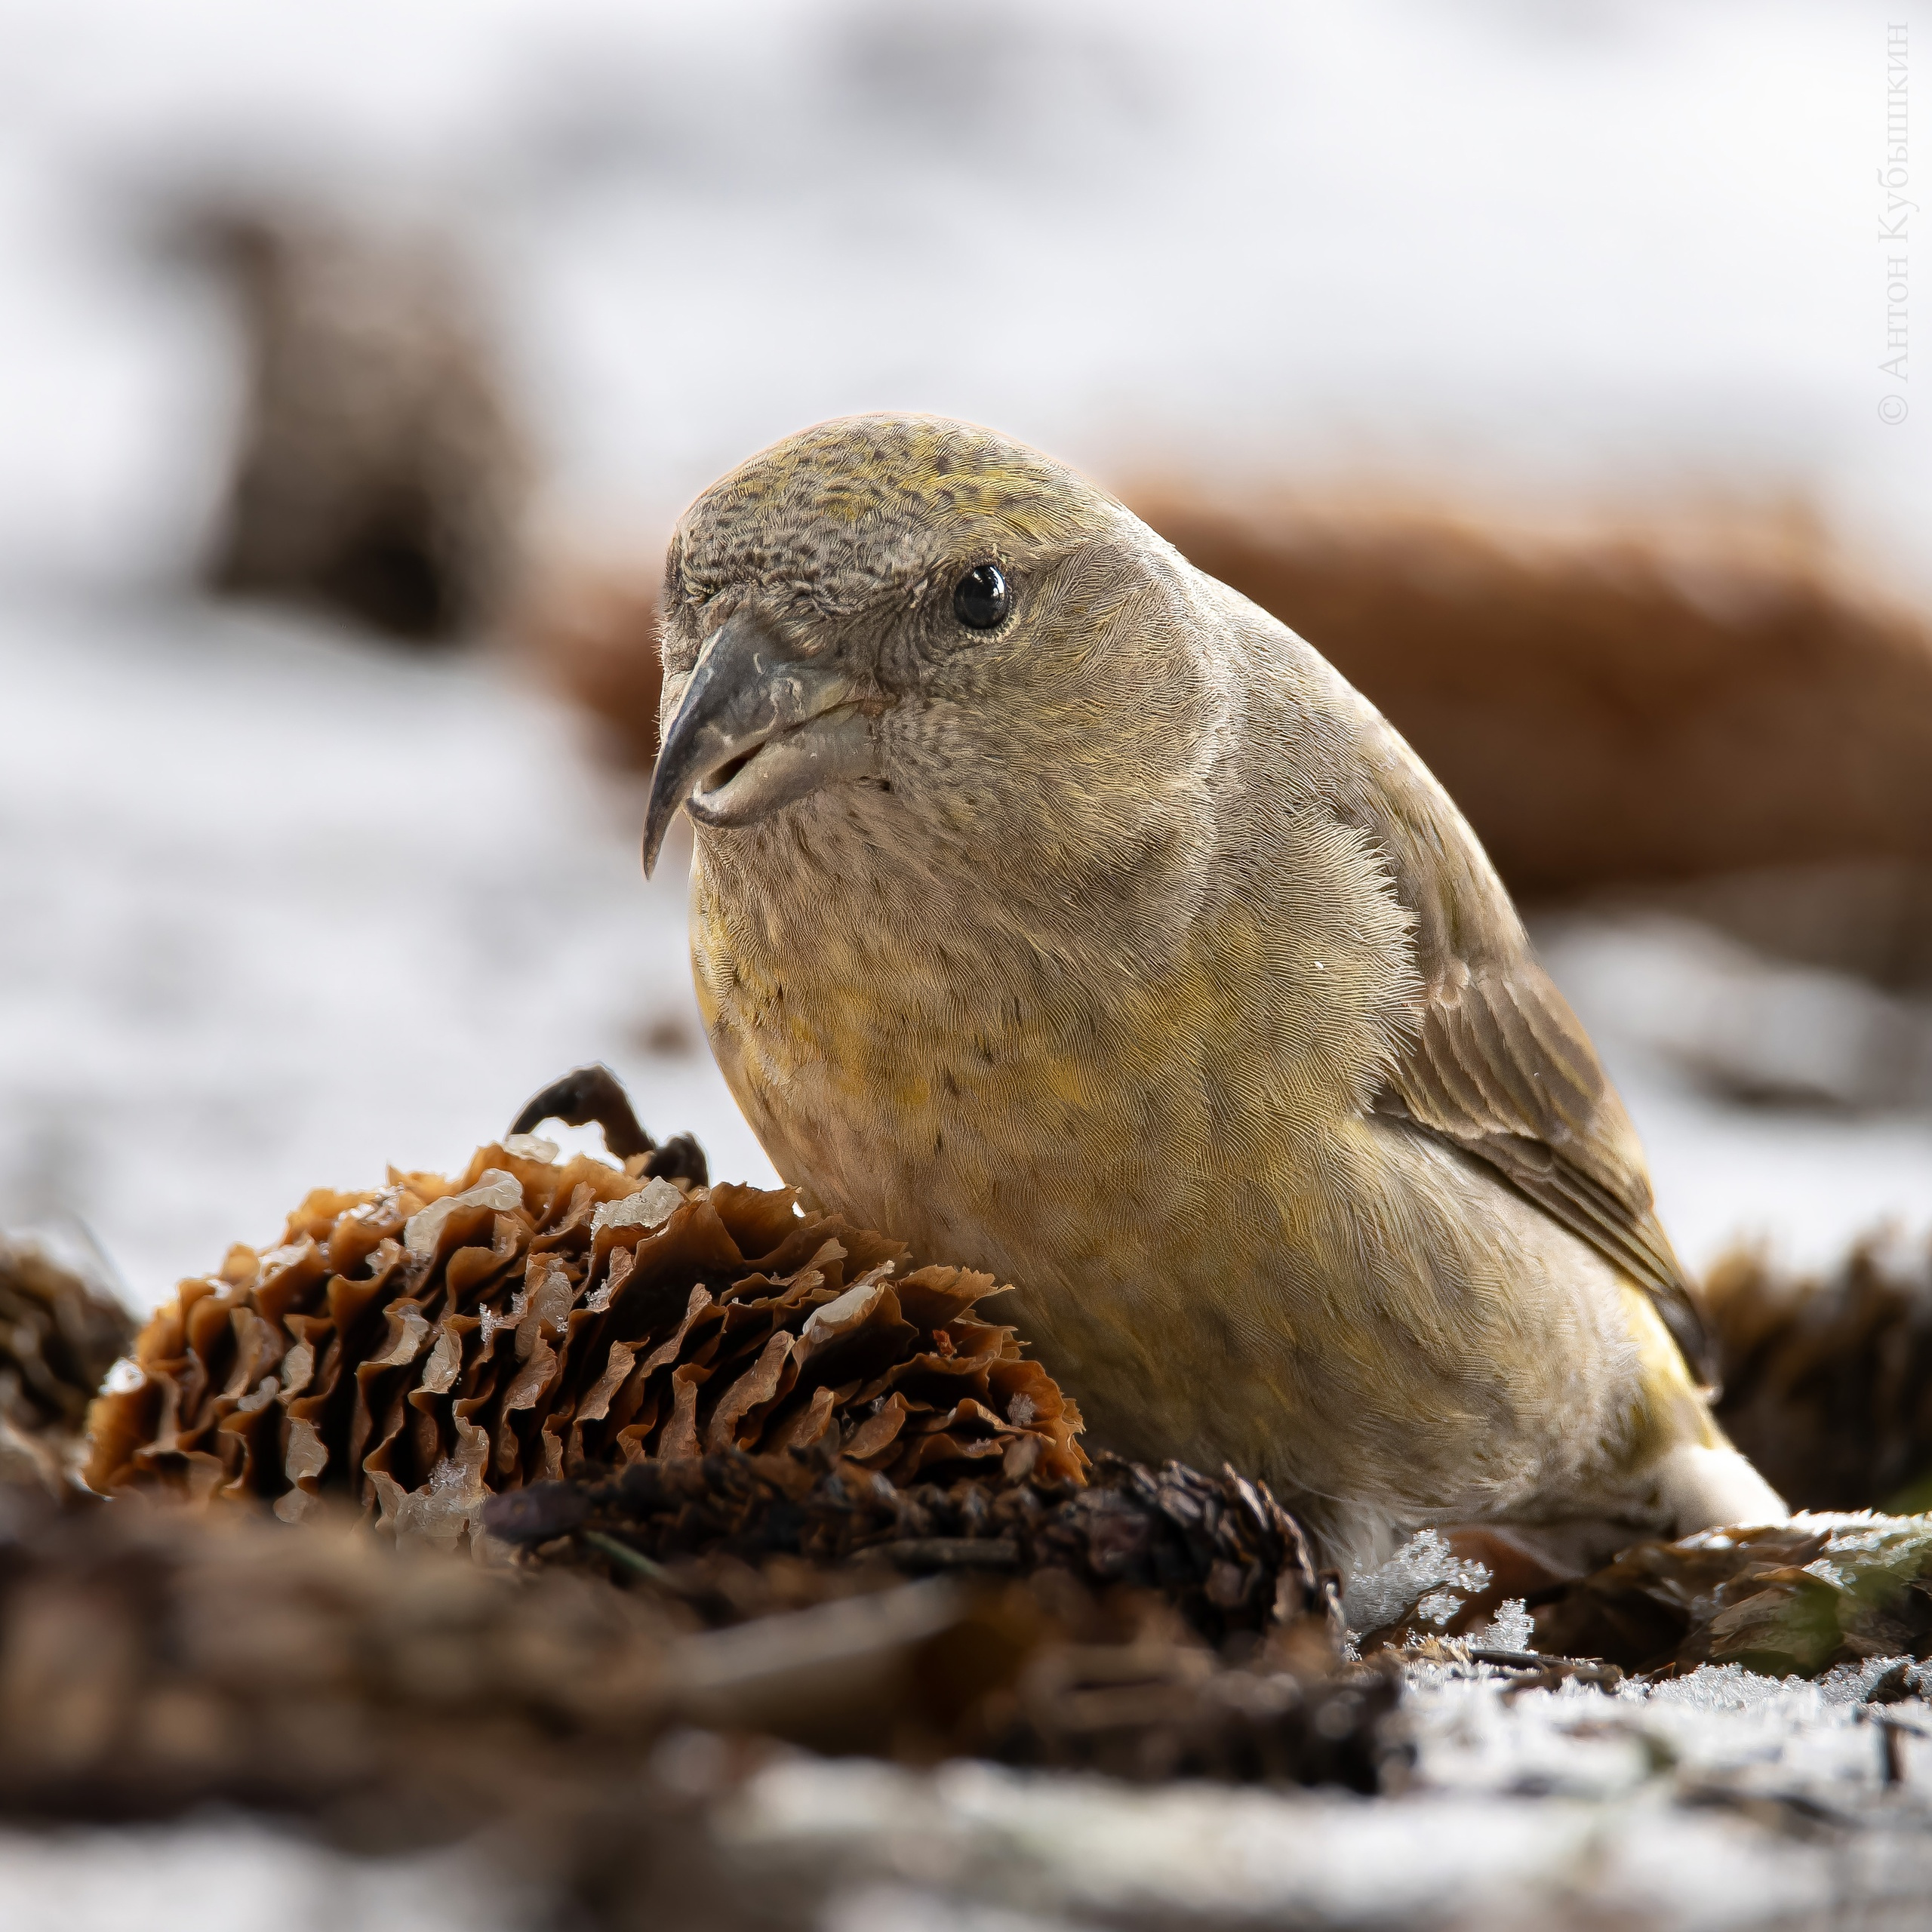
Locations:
column 1609, row 705
column 151, row 1661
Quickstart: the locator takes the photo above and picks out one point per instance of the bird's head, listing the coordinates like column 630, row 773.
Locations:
column 921, row 627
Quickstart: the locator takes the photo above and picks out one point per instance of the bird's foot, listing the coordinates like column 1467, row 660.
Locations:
column 594, row 1093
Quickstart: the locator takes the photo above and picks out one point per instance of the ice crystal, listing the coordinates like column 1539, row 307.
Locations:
column 1377, row 1598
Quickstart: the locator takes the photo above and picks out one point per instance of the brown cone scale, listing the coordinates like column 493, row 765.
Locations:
column 418, row 1347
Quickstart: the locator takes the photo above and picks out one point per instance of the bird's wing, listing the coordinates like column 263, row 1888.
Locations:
column 1500, row 1067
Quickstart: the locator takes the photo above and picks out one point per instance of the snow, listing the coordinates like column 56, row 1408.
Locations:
column 1511, row 1629
column 278, row 908
column 1697, row 1806
column 1560, row 1809
column 220, row 1875
column 1669, row 1004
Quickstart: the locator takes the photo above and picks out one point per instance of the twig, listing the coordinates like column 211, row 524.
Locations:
column 626, row 1557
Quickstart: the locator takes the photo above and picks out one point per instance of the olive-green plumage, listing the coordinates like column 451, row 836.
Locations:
column 1123, row 950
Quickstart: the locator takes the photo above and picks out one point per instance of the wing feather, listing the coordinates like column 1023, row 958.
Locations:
column 1501, row 1067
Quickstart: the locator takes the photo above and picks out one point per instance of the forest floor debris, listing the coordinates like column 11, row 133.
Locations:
column 797, row 1601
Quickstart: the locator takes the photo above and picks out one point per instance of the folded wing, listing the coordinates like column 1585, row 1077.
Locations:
column 1501, row 1067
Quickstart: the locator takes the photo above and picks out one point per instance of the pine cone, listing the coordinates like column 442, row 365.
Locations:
column 1152, row 1624
column 1221, row 1551
column 418, row 1347
column 1827, row 1383
column 58, row 1338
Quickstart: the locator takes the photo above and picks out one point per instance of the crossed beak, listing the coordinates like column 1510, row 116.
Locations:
column 759, row 725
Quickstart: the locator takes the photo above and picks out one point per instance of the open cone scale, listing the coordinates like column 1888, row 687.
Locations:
column 422, row 1346
column 59, row 1336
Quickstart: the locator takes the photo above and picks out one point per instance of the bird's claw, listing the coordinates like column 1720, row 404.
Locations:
column 594, row 1093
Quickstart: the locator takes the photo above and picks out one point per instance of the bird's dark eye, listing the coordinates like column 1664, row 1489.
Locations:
column 981, row 599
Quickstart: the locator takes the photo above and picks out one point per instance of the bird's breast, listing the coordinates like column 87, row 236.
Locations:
column 1050, row 1114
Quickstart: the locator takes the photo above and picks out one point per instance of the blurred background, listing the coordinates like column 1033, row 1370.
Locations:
column 355, row 362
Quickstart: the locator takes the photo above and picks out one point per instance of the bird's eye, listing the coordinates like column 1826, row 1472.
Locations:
column 981, row 598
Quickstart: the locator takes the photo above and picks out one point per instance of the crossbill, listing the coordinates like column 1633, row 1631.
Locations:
column 1058, row 908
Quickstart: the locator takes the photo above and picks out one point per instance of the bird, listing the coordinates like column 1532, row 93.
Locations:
column 1057, row 908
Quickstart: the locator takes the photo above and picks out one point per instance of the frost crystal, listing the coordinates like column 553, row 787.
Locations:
column 496, row 1190
column 1719, row 1686
column 1512, row 1629
column 531, row 1147
column 124, row 1377
column 652, row 1203
column 1378, row 1597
